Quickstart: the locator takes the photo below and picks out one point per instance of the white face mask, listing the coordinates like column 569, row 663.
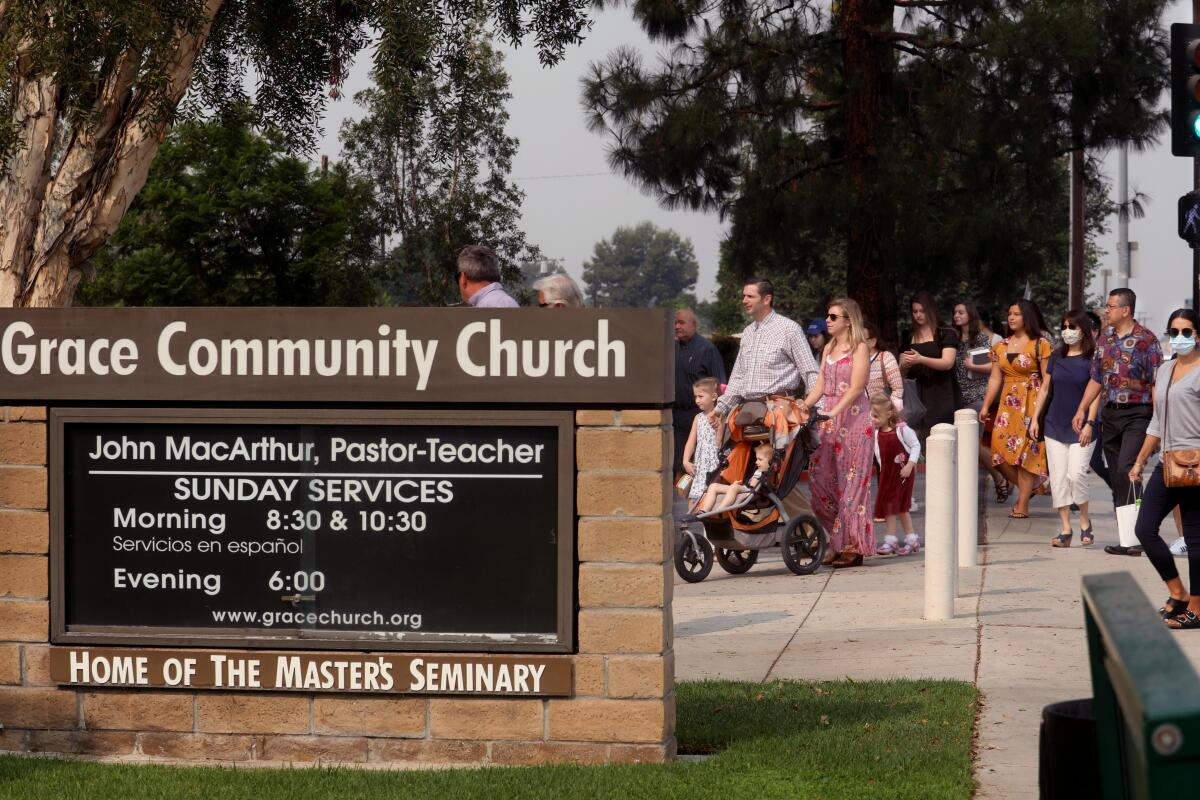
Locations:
column 1071, row 335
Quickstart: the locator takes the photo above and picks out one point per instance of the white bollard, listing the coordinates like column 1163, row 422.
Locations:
column 967, row 423
column 941, row 569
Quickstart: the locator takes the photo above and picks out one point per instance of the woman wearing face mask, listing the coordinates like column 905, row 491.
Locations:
column 1176, row 426
column 1067, row 453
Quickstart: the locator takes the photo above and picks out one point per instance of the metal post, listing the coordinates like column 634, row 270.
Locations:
column 967, row 423
column 941, row 569
column 1122, row 216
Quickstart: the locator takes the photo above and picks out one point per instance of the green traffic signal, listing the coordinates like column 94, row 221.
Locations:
column 1185, row 90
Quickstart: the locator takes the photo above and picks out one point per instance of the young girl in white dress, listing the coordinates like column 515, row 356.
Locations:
column 700, row 455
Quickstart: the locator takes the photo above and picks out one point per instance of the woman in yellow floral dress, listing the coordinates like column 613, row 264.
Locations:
column 1018, row 365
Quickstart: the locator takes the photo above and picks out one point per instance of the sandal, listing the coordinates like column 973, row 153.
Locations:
column 848, row 560
column 1085, row 536
column 1187, row 621
column 1003, row 492
column 1014, row 514
column 1172, row 608
column 830, row 557
column 1062, row 540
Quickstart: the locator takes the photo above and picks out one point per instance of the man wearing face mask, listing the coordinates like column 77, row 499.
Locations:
column 1122, row 376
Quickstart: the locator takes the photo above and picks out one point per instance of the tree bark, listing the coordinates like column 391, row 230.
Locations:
column 59, row 212
column 1075, row 284
column 870, row 253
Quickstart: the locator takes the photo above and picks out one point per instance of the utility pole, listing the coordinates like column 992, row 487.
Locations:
column 1122, row 218
column 1195, row 187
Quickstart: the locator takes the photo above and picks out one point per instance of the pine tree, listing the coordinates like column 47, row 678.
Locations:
column 928, row 151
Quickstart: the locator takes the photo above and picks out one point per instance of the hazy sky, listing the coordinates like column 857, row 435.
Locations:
column 572, row 200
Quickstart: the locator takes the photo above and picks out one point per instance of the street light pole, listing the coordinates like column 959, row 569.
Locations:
column 1195, row 187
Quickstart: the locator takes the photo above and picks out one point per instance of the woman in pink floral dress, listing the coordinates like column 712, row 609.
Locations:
column 840, row 469
column 1018, row 364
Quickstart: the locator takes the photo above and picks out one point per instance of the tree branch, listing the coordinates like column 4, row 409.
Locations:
column 811, row 168
column 916, row 40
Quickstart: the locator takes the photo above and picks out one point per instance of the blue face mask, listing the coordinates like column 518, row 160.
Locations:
column 1183, row 345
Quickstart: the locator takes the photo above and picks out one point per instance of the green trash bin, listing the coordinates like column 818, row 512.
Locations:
column 1068, row 755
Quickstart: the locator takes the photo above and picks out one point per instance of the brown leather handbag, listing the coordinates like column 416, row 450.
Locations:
column 1181, row 468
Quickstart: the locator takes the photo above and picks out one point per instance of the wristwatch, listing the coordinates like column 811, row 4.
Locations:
column 1092, row 421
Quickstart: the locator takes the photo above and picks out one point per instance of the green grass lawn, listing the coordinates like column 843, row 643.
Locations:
column 833, row 741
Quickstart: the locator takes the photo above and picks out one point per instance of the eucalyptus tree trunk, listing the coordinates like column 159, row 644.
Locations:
column 66, row 189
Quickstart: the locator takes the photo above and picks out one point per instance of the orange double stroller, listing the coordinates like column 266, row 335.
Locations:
column 761, row 518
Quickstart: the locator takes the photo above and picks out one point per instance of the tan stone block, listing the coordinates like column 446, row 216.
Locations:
column 26, row 414
column 23, row 443
column 589, row 676
column 638, row 676
column 370, row 716
column 38, row 708
column 486, row 719
column 24, row 576
column 250, row 713
column 138, row 711
column 608, row 720
column 644, row 416
column 81, row 743
column 624, row 539
column 441, row 751
column 622, row 585
column 601, row 417
column 638, row 753
column 23, row 487
column 25, row 620
column 315, row 749
column 618, row 449
column 635, row 631
column 14, row 741
column 200, row 746
column 10, row 664
column 24, row 532
column 37, row 665
column 638, row 493
column 529, row 753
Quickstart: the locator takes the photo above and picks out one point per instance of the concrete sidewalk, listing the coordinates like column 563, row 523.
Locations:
column 1017, row 632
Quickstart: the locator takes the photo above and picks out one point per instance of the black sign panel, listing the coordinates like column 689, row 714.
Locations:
column 424, row 532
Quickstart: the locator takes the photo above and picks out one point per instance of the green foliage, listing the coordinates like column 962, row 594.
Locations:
column 964, row 113
column 435, row 151
column 227, row 218
column 641, row 267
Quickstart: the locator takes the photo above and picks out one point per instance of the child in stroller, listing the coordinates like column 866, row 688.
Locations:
column 734, row 493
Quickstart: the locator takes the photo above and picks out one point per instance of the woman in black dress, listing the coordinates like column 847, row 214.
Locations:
column 929, row 361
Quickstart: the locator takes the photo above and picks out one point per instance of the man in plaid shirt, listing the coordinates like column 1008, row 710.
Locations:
column 774, row 357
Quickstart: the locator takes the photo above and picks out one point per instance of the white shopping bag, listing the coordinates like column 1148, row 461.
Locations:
column 1127, row 519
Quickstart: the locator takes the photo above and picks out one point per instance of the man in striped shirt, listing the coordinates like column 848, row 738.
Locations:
column 774, row 357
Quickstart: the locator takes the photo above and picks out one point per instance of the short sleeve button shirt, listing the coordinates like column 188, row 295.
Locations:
column 1124, row 366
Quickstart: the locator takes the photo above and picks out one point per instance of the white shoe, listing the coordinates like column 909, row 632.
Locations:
column 914, row 506
column 1179, row 547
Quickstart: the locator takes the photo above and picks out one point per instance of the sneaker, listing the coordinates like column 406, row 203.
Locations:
column 1179, row 547
column 914, row 506
column 889, row 547
column 912, row 544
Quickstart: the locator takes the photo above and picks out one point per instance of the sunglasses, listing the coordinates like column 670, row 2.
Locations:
column 1186, row 333
column 831, row 317
column 1070, row 326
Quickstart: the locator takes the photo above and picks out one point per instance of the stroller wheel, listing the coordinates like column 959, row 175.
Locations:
column 803, row 544
column 735, row 562
column 693, row 557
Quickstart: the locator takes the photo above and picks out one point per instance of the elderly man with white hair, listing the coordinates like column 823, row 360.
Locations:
column 558, row 291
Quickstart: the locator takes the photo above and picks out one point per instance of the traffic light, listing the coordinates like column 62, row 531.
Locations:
column 1189, row 219
column 1185, row 90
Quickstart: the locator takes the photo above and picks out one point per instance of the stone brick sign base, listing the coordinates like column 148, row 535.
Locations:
column 623, row 708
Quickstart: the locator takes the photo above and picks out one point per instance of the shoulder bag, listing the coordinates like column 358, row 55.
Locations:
column 1181, row 468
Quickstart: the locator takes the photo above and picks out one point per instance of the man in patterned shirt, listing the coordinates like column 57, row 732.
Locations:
column 774, row 357
column 1127, row 355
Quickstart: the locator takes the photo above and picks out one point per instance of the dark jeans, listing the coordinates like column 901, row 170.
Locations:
column 1157, row 502
column 1097, row 462
column 1124, row 432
